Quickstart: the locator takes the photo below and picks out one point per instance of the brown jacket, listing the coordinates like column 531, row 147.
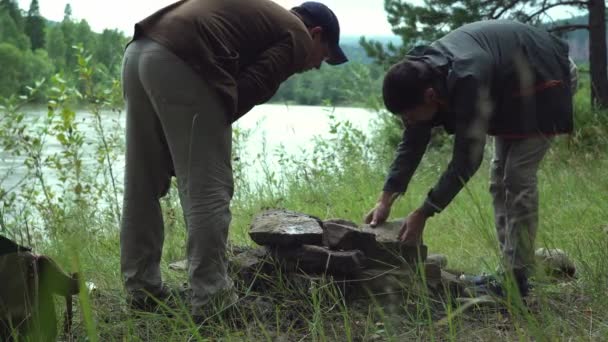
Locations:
column 243, row 48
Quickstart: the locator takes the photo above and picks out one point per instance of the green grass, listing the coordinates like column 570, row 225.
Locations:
column 573, row 212
column 573, row 187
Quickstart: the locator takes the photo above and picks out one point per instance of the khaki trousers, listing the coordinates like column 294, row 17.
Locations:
column 175, row 124
column 513, row 185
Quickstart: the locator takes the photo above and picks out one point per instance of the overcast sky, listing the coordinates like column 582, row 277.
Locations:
column 357, row 17
column 122, row 14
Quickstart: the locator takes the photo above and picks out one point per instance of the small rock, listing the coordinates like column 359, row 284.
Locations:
column 440, row 260
column 317, row 259
column 555, row 262
column 181, row 265
column 286, row 228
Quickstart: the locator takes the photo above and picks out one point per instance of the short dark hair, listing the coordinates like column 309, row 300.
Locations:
column 404, row 85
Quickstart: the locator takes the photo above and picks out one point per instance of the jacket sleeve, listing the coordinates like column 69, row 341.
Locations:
column 466, row 159
column 260, row 80
column 472, row 109
column 409, row 153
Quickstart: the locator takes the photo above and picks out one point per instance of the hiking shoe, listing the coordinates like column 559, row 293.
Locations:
column 484, row 285
column 153, row 301
column 495, row 285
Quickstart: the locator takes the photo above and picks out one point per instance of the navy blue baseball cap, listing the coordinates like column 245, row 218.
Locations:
column 320, row 15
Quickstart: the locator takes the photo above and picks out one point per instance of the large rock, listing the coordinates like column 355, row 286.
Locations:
column 381, row 244
column 388, row 249
column 317, row 259
column 286, row 228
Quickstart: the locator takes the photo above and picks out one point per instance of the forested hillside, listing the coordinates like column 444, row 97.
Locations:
column 33, row 48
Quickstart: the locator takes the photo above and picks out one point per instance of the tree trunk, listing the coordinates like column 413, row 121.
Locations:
column 597, row 53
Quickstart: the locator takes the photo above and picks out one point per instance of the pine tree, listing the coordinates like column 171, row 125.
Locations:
column 422, row 24
column 67, row 12
column 35, row 25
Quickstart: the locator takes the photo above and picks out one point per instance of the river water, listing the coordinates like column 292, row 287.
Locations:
column 269, row 127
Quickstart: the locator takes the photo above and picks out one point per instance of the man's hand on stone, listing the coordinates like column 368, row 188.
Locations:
column 412, row 228
column 378, row 215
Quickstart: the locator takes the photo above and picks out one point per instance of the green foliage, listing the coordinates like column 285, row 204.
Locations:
column 351, row 84
column 68, row 160
column 11, row 7
column 109, row 48
column 37, row 49
column 11, row 33
column 12, row 62
column 56, row 46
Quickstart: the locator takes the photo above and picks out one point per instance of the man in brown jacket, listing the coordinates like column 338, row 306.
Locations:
column 191, row 70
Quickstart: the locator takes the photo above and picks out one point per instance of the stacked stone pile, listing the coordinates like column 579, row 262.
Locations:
column 301, row 246
column 359, row 255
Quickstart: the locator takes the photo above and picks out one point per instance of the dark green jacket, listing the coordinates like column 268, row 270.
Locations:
column 244, row 49
column 501, row 78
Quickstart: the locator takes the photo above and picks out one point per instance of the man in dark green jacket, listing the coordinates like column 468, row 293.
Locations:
column 191, row 70
column 501, row 78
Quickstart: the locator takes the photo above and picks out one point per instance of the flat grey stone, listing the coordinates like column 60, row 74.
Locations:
column 342, row 237
column 380, row 244
column 318, row 259
column 387, row 232
column 388, row 249
column 285, row 228
column 341, row 222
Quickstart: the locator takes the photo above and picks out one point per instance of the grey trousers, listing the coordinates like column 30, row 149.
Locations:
column 513, row 185
column 175, row 123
